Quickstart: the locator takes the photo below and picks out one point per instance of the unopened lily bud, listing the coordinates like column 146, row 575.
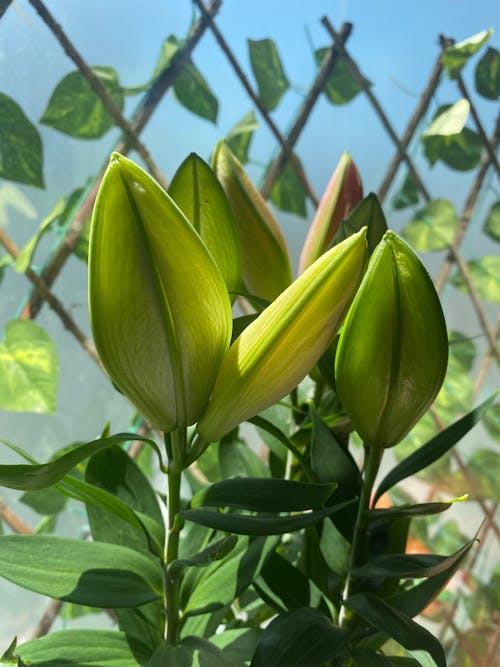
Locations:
column 266, row 263
column 159, row 309
column 277, row 350
column 197, row 192
column 393, row 349
column 342, row 194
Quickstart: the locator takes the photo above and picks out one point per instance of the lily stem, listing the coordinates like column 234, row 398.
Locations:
column 177, row 452
column 373, row 456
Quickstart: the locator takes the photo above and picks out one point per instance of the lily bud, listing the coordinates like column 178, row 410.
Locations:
column 266, row 263
column 197, row 192
column 343, row 192
column 159, row 308
column 277, row 350
column 393, row 349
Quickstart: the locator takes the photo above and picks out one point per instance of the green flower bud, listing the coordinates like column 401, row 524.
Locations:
column 266, row 263
column 277, row 350
column 393, row 349
column 197, row 192
column 343, row 192
column 159, row 309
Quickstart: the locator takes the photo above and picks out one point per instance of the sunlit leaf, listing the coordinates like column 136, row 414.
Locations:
column 485, row 276
column 239, row 137
column 98, row 648
column 454, row 57
column 77, row 111
column 448, row 140
column 190, row 88
column 449, row 120
column 288, row 193
column 488, row 74
column 492, row 222
column 23, row 260
column 432, row 227
column 341, row 86
column 21, row 152
column 408, row 195
column 29, row 369
column 268, row 71
column 90, row 573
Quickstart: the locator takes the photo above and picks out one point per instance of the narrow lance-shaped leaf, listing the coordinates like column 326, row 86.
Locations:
column 281, row 346
column 266, row 263
column 343, row 192
column 200, row 196
column 393, row 349
column 163, row 323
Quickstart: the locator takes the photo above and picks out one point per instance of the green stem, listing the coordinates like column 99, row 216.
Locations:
column 373, row 456
column 177, row 453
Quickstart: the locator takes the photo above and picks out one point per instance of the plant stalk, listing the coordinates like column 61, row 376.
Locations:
column 373, row 456
column 176, row 450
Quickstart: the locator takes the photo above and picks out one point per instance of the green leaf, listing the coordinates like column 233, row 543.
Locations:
column 239, row 137
column 90, row 573
column 288, row 193
column 365, row 657
column 112, row 470
column 483, row 470
column 435, row 448
column 21, row 151
column 13, row 199
column 454, row 57
column 259, row 524
column 492, row 421
column 23, row 260
column 488, row 74
column 145, row 624
column 341, row 86
column 167, row 655
column 298, row 638
column 224, row 580
column 449, row 119
column 408, row 195
column 335, row 548
column 456, row 394
column 460, row 150
column 74, row 109
column 28, row 369
column 47, row 502
column 216, row 551
column 463, row 351
column 237, row 644
column 268, row 71
column 237, row 459
column 190, row 88
column 263, row 495
column 282, row 585
column 368, row 213
column 432, row 227
column 420, row 509
column 485, row 276
column 408, row 566
column 42, row 475
column 88, row 648
column 208, row 654
column 396, row 625
column 492, row 222
column 81, row 249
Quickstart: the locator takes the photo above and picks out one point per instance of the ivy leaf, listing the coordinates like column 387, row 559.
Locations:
column 433, row 227
column 268, row 71
column 485, row 276
column 458, row 148
column 240, row 136
column 407, row 195
column 288, row 193
column 449, row 119
column 28, row 369
column 463, row 351
column 492, row 222
column 190, row 87
column 483, row 471
column 74, row 109
column 21, row 151
column 454, row 57
column 488, row 74
column 492, row 422
column 341, row 86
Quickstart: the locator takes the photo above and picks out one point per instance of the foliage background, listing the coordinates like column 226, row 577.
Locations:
column 394, row 45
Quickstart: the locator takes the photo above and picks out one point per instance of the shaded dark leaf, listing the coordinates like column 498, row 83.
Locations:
column 288, row 193
column 492, row 222
column 341, row 86
column 488, row 74
column 408, row 195
column 268, row 71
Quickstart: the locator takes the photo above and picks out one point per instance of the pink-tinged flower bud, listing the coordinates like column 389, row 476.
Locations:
column 342, row 194
column 159, row 309
column 393, row 349
column 277, row 350
column 266, row 263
